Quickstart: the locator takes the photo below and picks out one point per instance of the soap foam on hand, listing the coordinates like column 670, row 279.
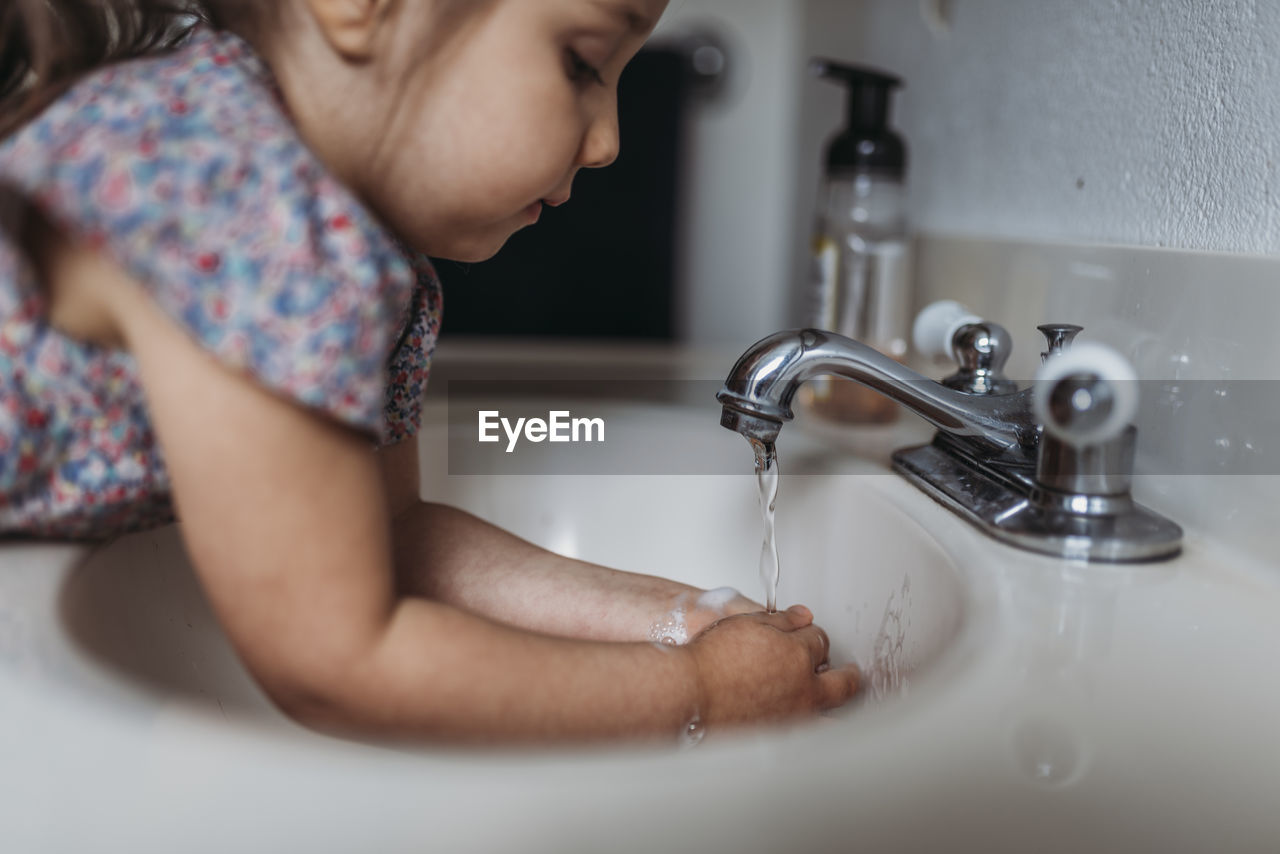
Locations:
column 672, row 630
column 717, row 600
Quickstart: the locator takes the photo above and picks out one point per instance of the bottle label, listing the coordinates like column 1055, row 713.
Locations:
column 825, row 268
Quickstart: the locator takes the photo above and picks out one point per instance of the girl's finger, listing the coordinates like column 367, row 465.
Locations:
column 795, row 617
column 838, row 685
column 816, row 640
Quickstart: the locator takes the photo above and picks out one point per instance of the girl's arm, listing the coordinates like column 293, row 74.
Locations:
column 287, row 520
column 450, row 556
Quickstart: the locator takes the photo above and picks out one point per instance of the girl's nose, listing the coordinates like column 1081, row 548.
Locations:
column 601, row 142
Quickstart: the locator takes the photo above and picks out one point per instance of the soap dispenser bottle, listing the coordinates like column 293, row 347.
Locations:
column 861, row 273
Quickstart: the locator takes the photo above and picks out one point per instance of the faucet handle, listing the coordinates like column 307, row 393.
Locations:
column 1086, row 395
column 981, row 349
column 935, row 328
column 1058, row 337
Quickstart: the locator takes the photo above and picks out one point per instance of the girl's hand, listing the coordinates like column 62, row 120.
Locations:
column 714, row 605
column 767, row 667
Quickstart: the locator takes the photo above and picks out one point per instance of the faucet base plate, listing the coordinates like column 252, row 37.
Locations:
column 1014, row 512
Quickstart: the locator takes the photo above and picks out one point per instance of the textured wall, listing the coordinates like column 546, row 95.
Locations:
column 1151, row 122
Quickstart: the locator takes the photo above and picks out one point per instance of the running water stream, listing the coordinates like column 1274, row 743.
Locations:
column 767, row 481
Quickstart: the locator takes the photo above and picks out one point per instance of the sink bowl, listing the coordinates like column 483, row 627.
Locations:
column 886, row 593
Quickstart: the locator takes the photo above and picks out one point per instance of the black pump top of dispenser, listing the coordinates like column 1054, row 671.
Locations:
column 867, row 144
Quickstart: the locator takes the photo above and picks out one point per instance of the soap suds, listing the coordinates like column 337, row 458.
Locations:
column 673, row 629
column 717, row 600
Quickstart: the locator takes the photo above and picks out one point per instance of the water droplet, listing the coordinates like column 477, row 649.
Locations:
column 693, row 733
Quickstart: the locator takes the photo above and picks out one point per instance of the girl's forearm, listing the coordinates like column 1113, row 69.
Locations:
column 441, row 673
column 452, row 557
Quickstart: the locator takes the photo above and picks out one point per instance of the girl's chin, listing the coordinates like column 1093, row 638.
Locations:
column 482, row 245
column 473, row 251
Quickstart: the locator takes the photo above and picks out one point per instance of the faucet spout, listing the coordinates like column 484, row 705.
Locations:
column 757, row 394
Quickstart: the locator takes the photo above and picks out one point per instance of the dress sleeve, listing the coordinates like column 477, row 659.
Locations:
column 199, row 187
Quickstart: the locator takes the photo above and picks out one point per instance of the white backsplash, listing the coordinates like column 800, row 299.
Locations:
column 1199, row 328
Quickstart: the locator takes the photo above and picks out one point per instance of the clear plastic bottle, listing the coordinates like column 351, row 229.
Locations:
column 862, row 253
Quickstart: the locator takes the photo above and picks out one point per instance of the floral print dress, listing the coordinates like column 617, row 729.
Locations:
column 186, row 170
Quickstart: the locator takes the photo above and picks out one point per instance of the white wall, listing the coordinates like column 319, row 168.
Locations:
column 740, row 192
column 1120, row 121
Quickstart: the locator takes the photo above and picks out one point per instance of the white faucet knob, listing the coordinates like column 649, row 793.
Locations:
column 935, row 327
column 1085, row 395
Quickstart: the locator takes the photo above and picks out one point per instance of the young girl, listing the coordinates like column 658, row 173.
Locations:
column 215, row 305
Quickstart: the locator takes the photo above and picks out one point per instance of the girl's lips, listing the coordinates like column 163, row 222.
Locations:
column 535, row 210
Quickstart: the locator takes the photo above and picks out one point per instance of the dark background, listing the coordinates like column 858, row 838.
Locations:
column 601, row 266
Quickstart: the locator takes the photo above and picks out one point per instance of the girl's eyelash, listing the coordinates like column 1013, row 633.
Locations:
column 581, row 71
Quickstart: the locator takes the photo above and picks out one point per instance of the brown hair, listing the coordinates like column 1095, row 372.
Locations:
column 46, row 45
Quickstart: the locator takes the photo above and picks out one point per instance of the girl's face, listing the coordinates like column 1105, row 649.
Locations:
column 498, row 120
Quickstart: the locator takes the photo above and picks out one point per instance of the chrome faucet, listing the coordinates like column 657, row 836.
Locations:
column 1046, row 468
